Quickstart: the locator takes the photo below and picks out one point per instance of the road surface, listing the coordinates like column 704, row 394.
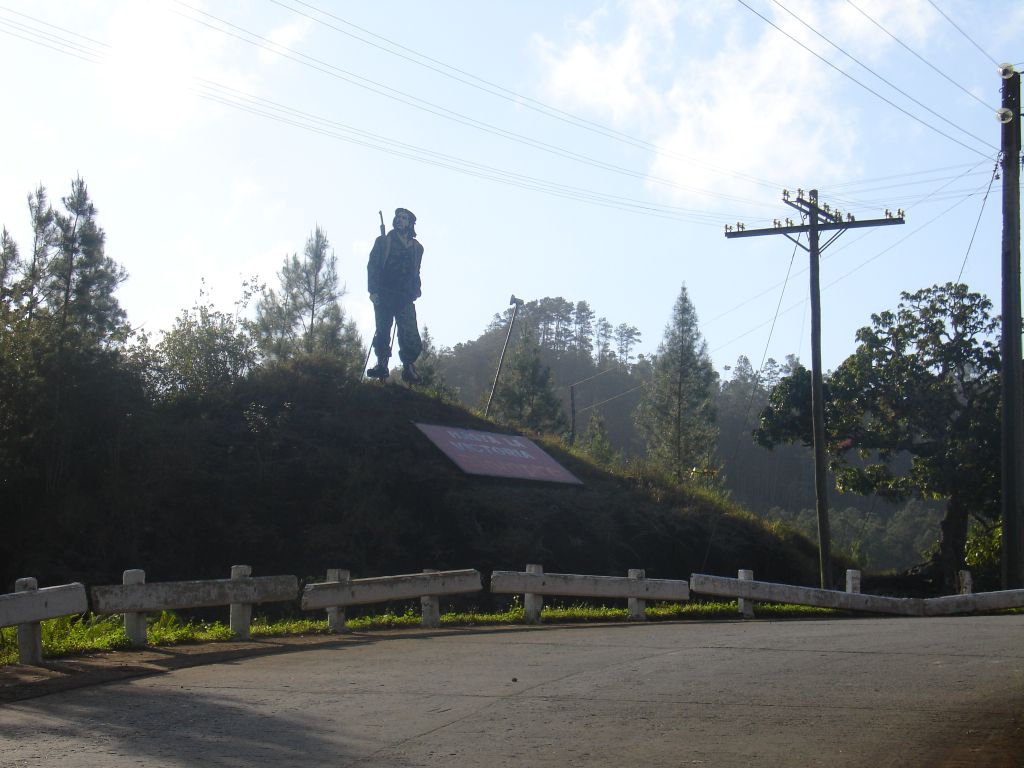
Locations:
column 835, row 692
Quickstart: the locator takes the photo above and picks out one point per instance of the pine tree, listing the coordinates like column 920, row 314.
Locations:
column 603, row 341
column 432, row 380
column 80, row 279
column 583, row 330
column 676, row 415
column 626, row 337
column 595, row 441
column 305, row 316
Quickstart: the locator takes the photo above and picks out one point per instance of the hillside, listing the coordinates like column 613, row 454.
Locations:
column 298, row 470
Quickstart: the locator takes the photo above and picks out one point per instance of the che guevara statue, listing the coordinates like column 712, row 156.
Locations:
column 393, row 280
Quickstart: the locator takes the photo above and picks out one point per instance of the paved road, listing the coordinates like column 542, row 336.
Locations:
column 864, row 692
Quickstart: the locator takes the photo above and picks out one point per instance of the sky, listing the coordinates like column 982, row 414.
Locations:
column 590, row 150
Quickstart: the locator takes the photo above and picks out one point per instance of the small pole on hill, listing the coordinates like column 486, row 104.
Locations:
column 516, row 304
column 820, row 219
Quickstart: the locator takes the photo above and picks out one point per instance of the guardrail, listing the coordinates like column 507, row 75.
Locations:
column 135, row 598
column 341, row 591
column 29, row 605
column 533, row 584
column 745, row 588
column 766, row 592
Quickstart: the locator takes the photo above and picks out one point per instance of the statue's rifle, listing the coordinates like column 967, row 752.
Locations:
column 366, row 362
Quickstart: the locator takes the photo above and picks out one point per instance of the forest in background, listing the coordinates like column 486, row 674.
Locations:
column 595, row 358
column 86, row 398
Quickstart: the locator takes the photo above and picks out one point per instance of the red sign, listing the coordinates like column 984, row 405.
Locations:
column 488, row 453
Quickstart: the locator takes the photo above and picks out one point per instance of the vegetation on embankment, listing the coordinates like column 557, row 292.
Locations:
column 299, row 469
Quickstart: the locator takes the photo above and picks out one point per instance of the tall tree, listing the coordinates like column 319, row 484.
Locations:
column 305, row 316
column 69, row 401
column 10, row 264
column 676, row 416
column 924, row 382
column 626, row 337
column 583, row 330
column 81, row 279
column 603, row 341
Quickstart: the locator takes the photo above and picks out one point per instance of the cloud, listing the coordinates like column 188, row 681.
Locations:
column 718, row 88
column 612, row 78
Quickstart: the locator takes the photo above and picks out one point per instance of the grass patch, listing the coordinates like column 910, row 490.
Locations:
column 69, row 636
column 262, row 628
column 169, row 629
column 72, row 635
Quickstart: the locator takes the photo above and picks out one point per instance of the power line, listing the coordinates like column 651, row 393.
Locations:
column 66, row 50
column 880, row 77
column 54, row 26
column 839, row 279
column 510, row 95
column 614, row 397
column 422, row 104
column 995, row 175
column 858, row 82
column 958, row 29
column 85, row 51
column 274, row 111
column 884, row 187
column 934, row 194
column 903, row 175
column 919, row 57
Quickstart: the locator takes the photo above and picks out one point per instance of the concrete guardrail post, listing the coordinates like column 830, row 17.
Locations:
column 637, row 607
column 746, row 607
column 966, row 583
column 241, row 613
column 532, row 604
column 853, row 581
column 135, row 623
column 336, row 616
column 430, row 607
column 30, row 636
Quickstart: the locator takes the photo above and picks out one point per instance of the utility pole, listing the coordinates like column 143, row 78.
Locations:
column 1010, row 344
column 515, row 304
column 819, row 219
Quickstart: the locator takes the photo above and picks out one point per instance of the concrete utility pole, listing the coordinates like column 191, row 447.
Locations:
column 1010, row 345
column 819, row 219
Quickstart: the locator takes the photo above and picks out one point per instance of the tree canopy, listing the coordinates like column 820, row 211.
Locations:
column 922, row 382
